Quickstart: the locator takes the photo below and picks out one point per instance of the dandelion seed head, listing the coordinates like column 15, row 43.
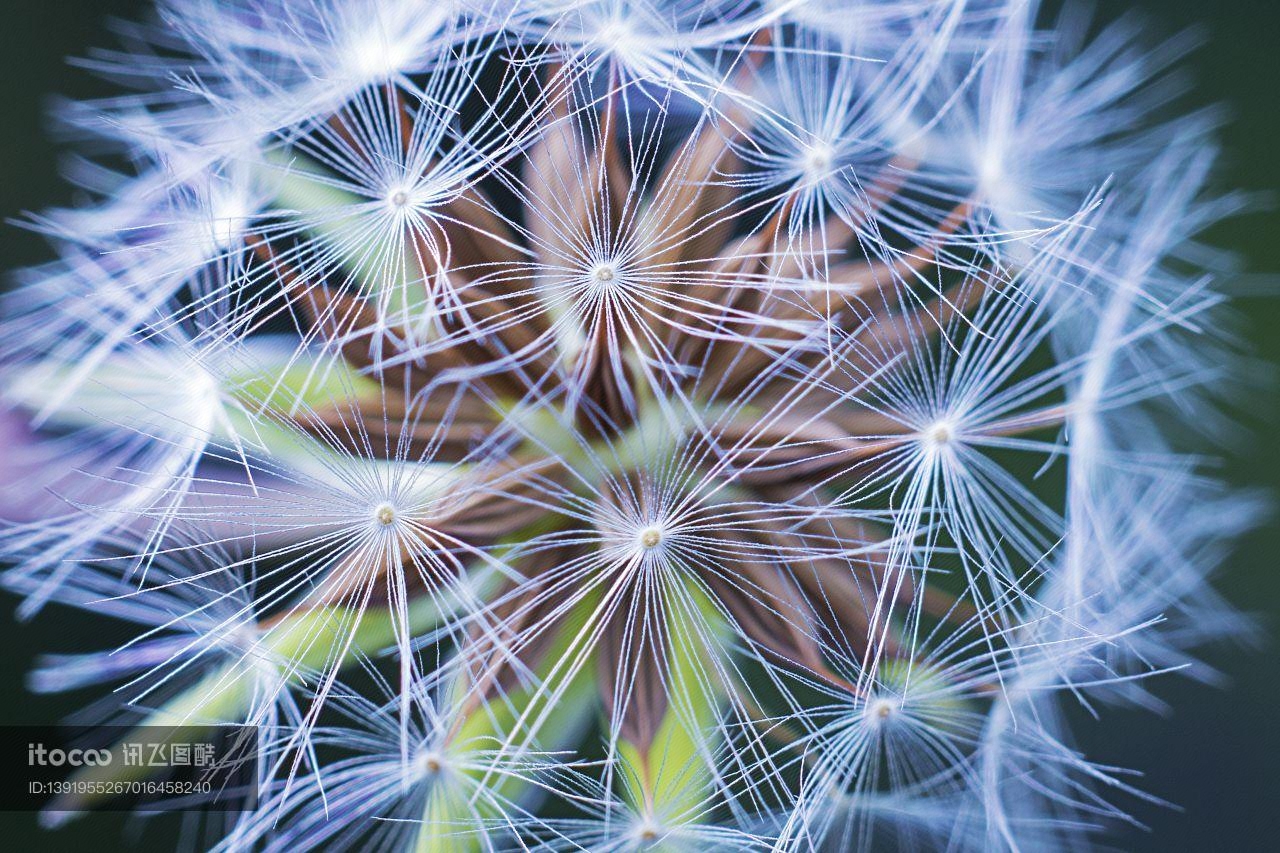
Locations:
column 373, row 55
column 647, row 832
column 604, row 275
column 650, row 538
column 398, row 198
column 992, row 175
column 385, row 514
column 693, row 361
column 616, row 34
column 429, row 764
column 817, row 161
column 229, row 215
column 880, row 711
column 939, row 434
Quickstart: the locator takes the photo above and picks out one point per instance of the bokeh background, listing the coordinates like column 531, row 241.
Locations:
column 1216, row 754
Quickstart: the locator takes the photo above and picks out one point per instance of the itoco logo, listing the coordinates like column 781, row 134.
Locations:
column 38, row 754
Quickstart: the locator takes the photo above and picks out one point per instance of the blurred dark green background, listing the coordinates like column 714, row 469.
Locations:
column 1215, row 755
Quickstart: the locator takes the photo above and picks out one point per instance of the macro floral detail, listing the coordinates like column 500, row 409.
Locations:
column 620, row 425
